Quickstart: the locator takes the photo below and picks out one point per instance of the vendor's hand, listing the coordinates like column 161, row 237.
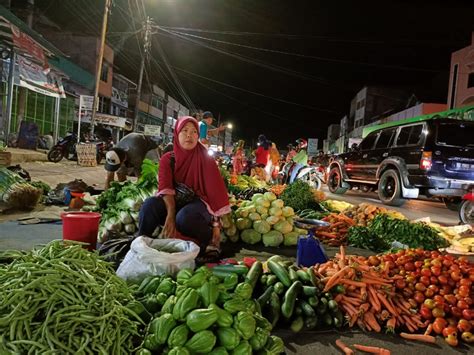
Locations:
column 222, row 127
column 169, row 229
column 216, row 237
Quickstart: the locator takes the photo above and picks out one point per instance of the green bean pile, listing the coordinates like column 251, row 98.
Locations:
column 62, row 299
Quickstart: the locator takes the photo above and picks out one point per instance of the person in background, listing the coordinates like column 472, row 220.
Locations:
column 274, row 160
column 127, row 156
column 204, row 131
column 291, row 153
column 189, row 164
column 262, row 157
column 238, row 158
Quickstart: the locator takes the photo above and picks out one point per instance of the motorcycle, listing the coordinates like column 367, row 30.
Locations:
column 292, row 171
column 64, row 148
column 466, row 211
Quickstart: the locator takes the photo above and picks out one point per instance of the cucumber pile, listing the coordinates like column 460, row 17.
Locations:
column 292, row 297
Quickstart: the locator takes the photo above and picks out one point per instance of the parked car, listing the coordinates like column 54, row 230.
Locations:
column 434, row 158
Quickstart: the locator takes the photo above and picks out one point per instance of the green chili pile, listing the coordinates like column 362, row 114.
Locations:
column 64, row 299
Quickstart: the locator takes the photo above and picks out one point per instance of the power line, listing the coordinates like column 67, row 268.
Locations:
column 254, row 61
column 388, row 66
column 241, row 102
column 180, row 87
column 313, row 37
column 257, row 93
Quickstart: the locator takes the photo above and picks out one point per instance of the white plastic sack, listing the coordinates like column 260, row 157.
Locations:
column 149, row 256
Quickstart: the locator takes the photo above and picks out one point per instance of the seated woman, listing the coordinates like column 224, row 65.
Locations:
column 190, row 164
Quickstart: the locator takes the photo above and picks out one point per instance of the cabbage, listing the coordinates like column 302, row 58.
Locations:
column 275, row 211
column 288, row 211
column 264, row 216
column 270, row 196
column 242, row 213
column 262, row 226
column 245, row 203
column 231, row 231
column 278, row 203
column 272, row 220
column 283, row 226
column 226, row 220
column 290, row 220
column 234, row 238
column 243, row 223
column 262, row 210
column 290, row 239
column 256, row 197
column 255, row 216
column 250, row 236
column 272, row 239
column 300, row 231
column 223, row 237
column 125, row 218
column 250, row 208
column 262, row 202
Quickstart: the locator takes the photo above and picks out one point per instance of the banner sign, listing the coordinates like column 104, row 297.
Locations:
column 33, row 77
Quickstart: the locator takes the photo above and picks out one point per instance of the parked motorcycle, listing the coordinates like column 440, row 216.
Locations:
column 466, row 211
column 292, row 171
column 64, row 148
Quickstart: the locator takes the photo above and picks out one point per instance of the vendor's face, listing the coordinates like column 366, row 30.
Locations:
column 188, row 137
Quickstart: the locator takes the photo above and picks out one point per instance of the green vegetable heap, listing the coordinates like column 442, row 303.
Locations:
column 383, row 230
column 299, row 196
column 205, row 312
column 119, row 205
column 63, row 299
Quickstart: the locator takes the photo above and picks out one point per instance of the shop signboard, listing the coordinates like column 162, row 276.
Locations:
column 152, row 130
column 110, row 120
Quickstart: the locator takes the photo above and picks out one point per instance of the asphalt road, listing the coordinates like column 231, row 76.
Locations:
column 412, row 209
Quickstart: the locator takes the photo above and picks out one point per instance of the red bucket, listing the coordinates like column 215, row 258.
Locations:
column 81, row 227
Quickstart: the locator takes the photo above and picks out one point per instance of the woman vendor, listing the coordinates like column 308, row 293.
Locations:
column 190, row 164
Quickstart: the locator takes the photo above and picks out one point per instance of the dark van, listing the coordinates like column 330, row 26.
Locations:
column 432, row 158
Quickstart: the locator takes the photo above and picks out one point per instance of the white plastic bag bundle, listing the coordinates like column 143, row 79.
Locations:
column 149, row 256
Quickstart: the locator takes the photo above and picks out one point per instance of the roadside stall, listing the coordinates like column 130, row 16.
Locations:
column 296, row 268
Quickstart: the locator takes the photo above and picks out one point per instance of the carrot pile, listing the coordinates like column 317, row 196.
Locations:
column 336, row 233
column 277, row 189
column 368, row 298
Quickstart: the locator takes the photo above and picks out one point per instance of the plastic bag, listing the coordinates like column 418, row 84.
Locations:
column 149, row 256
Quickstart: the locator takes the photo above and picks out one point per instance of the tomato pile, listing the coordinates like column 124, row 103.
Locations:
column 439, row 286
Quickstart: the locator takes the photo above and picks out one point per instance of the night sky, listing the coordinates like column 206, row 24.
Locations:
column 337, row 48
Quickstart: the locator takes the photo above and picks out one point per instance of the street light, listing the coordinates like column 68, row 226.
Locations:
column 229, row 125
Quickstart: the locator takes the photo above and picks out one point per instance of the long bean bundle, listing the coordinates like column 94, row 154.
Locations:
column 64, row 299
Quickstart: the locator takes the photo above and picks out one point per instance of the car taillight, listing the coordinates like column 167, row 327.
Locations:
column 425, row 162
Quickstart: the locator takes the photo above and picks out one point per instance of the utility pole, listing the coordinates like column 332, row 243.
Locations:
column 99, row 62
column 146, row 50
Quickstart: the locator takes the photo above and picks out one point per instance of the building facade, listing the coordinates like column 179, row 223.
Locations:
column 461, row 78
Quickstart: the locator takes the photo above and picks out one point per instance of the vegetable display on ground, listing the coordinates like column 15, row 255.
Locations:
column 64, row 299
column 208, row 311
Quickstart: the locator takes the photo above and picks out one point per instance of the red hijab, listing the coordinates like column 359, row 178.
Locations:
column 196, row 169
